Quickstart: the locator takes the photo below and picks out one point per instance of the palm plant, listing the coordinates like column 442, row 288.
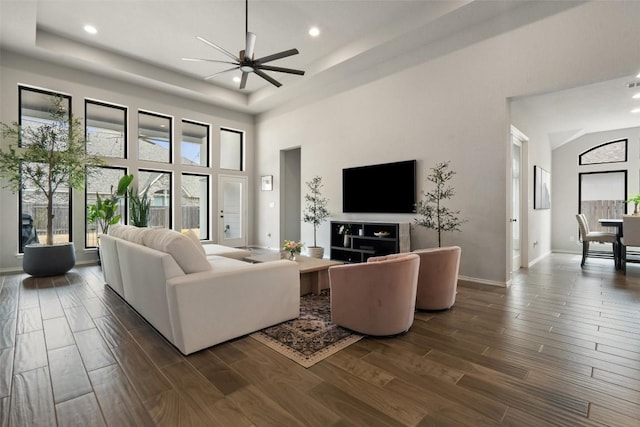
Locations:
column 105, row 211
column 139, row 207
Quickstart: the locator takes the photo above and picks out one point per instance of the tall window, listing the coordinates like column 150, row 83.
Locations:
column 102, row 181
column 195, row 204
column 106, row 129
column 231, row 149
column 154, row 137
column 195, row 143
column 35, row 110
column 159, row 184
column 602, row 195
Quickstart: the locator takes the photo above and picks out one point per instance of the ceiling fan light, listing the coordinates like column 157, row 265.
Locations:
column 246, row 68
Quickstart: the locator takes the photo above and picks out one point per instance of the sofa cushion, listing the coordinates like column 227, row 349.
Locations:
column 116, row 230
column 180, row 247
column 195, row 239
column 134, row 234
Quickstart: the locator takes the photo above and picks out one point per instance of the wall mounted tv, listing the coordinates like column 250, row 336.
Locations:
column 383, row 188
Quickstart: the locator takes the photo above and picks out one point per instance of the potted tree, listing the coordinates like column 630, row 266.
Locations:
column 315, row 213
column 48, row 155
column 435, row 216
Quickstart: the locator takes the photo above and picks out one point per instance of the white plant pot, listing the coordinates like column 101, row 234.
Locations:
column 315, row 251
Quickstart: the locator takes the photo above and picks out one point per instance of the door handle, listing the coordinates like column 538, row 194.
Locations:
column 513, row 220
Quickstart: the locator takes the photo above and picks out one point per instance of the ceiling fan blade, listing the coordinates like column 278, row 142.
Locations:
column 275, row 56
column 218, row 48
column 208, row 60
column 243, row 81
column 251, row 44
column 267, row 78
column 220, row 72
column 280, row 69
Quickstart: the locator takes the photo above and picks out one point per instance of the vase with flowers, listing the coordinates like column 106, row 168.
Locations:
column 293, row 248
column 345, row 231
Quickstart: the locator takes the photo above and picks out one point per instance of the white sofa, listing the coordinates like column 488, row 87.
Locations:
column 196, row 301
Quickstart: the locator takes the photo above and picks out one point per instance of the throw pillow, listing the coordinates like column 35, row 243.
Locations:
column 188, row 257
column 195, row 239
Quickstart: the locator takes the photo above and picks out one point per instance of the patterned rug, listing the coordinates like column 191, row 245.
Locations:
column 311, row 337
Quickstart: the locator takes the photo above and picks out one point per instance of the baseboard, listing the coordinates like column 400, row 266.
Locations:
column 477, row 281
column 535, row 261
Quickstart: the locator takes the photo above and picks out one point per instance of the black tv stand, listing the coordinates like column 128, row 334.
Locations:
column 368, row 239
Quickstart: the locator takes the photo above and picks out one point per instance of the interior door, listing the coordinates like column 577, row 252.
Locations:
column 516, row 203
column 232, row 207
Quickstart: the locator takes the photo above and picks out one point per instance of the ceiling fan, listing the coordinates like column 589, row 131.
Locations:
column 245, row 61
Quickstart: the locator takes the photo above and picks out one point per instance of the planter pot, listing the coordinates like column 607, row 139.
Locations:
column 43, row 260
column 315, row 251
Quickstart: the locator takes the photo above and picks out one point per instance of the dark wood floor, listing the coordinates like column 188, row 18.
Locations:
column 560, row 347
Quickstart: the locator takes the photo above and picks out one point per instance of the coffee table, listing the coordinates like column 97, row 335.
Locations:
column 314, row 272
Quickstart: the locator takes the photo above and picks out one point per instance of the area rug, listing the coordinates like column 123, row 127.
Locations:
column 311, row 337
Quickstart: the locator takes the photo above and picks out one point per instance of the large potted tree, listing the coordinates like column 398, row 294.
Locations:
column 315, row 213
column 434, row 214
column 48, row 155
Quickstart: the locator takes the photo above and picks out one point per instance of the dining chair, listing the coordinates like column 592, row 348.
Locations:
column 631, row 227
column 587, row 236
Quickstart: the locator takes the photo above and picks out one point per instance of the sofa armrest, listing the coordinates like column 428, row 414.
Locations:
column 214, row 306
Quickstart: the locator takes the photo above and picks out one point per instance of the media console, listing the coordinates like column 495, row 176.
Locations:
column 368, row 239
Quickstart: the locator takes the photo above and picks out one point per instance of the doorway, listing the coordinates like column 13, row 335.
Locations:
column 290, row 194
column 517, row 211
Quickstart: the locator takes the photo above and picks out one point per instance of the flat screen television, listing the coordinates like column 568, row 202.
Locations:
column 383, row 188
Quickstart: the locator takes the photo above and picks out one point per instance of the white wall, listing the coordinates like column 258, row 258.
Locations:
column 564, row 181
column 454, row 107
column 16, row 69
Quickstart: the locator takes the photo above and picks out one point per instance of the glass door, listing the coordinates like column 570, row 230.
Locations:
column 232, row 210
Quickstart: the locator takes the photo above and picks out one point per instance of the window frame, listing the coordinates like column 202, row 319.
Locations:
column 208, row 204
column 171, row 225
column 209, row 156
column 626, row 153
column 241, row 133
column 20, row 191
column 171, row 160
column 626, row 186
column 124, row 109
column 125, row 208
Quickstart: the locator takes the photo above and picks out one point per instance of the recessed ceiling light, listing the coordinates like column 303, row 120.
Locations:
column 314, row 31
column 635, row 110
column 90, row 29
column 236, row 79
column 638, row 76
column 636, row 96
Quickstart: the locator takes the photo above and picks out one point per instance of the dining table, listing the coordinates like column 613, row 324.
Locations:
column 617, row 224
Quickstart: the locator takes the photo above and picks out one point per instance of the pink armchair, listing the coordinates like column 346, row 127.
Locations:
column 438, row 279
column 377, row 297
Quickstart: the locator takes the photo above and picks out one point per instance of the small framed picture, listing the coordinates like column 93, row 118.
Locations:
column 266, row 182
